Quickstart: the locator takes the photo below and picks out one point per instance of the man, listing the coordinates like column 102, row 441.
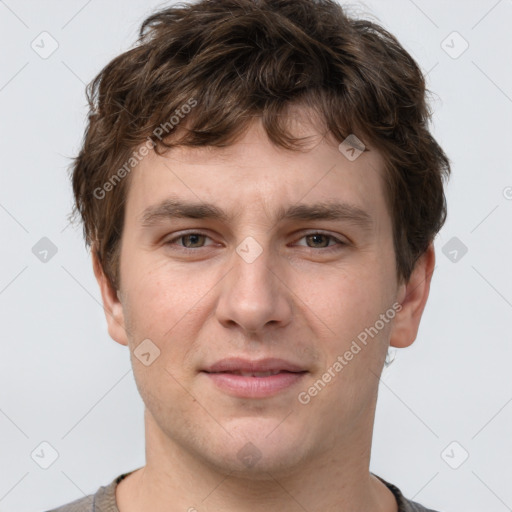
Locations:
column 261, row 193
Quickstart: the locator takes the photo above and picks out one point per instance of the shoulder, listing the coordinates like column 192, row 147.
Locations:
column 412, row 506
column 84, row 504
column 404, row 505
column 104, row 500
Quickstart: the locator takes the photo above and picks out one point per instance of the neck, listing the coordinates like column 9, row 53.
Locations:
column 337, row 480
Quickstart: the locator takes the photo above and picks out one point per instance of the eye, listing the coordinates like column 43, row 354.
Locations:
column 196, row 240
column 192, row 240
column 319, row 239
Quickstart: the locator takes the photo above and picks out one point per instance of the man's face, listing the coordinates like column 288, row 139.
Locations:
column 257, row 286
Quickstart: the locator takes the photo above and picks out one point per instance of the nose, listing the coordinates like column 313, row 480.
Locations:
column 254, row 294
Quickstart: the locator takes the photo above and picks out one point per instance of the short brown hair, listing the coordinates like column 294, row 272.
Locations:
column 244, row 58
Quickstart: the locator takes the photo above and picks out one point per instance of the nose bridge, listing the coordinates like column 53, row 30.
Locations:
column 252, row 295
column 252, row 263
column 253, row 282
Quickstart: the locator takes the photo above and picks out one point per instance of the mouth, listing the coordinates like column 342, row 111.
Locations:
column 254, row 379
column 255, row 374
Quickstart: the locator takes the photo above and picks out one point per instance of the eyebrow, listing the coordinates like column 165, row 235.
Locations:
column 326, row 210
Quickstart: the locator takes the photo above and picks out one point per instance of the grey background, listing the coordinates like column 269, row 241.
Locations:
column 65, row 382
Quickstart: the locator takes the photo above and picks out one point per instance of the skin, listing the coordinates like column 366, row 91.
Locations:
column 296, row 300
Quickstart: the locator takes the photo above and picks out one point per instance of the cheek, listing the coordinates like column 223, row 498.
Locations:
column 161, row 296
column 345, row 300
column 350, row 304
column 166, row 308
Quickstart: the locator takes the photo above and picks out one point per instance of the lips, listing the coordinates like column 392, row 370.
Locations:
column 262, row 367
column 244, row 378
column 255, row 374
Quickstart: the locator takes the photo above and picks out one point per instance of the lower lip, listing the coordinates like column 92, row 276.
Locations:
column 254, row 387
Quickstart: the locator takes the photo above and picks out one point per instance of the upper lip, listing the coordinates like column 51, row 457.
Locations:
column 246, row 365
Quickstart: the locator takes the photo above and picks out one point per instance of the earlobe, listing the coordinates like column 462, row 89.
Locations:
column 112, row 305
column 413, row 297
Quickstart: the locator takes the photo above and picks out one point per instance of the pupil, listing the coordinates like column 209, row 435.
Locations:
column 317, row 236
column 193, row 238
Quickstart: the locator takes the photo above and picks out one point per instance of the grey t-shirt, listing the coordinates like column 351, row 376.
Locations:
column 104, row 500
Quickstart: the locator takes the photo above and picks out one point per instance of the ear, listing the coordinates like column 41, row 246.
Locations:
column 413, row 297
column 111, row 303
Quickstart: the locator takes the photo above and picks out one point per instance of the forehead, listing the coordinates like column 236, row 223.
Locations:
column 253, row 175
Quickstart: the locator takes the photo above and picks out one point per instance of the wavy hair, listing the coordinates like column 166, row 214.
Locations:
column 242, row 59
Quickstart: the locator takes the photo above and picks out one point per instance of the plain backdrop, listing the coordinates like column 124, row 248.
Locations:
column 444, row 417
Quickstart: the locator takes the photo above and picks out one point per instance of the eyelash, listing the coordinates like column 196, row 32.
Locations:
column 338, row 245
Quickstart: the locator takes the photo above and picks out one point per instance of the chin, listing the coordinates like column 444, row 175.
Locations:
column 259, row 465
column 260, row 446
